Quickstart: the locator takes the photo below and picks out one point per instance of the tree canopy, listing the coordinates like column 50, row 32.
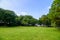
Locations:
column 54, row 13
column 9, row 18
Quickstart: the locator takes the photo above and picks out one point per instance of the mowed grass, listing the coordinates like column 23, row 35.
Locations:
column 29, row 33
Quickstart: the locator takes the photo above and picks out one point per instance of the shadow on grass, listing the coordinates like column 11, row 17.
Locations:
column 58, row 28
column 1, row 38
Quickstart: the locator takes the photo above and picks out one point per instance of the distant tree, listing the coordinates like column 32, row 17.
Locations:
column 20, row 19
column 1, row 16
column 7, row 17
column 44, row 20
column 27, row 20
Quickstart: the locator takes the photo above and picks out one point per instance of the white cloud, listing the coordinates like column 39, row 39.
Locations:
column 11, row 4
column 21, row 12
column 14, row 5
column 49, row 7
column 5, row 4
column 24, row 13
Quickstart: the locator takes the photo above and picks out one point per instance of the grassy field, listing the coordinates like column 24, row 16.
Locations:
column 29, row 33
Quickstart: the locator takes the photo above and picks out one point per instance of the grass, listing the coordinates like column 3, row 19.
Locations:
column 29, row 33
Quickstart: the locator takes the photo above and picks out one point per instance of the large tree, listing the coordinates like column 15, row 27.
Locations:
column 54, row 13
column 44, row 20
column 27, row 20
column 7, row 17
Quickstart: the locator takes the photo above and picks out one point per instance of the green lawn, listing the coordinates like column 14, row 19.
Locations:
column 29, row 33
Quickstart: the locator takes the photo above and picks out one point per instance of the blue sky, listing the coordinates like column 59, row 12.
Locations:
column 36, row 8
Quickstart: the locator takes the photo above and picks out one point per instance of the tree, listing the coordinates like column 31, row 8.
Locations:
column 7, row 17
column 27, row 20
column 44, row 20
column 54, row 13
column 1, row 16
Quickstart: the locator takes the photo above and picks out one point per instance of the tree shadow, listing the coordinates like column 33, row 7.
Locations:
column 1, row 38
column 58, row 28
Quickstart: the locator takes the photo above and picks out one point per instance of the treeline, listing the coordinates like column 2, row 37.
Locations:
column 53, row 17
column 54, row 13
column 9, row 18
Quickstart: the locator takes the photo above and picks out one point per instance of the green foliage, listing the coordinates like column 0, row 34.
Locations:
column 54, row 13
column 45, row 20
column 27, row 20
column 7, row 17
